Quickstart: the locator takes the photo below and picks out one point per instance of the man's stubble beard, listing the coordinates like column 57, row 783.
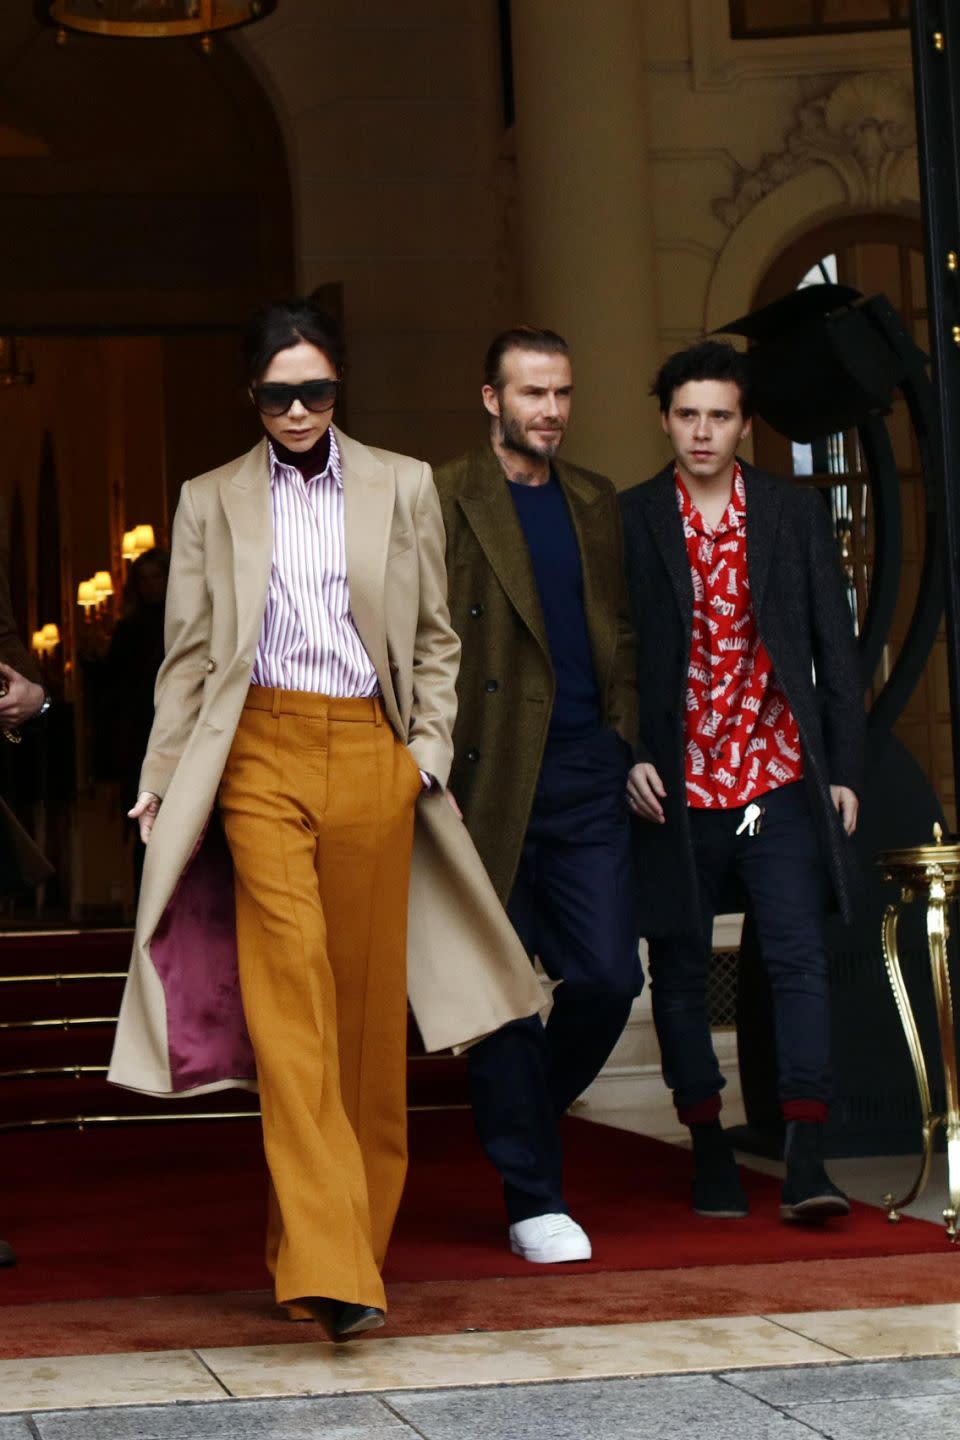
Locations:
column 512, row 439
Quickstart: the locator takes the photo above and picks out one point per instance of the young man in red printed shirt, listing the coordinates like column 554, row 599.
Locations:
column 752, row 730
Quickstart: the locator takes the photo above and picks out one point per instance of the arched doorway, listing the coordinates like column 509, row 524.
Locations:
column 875, row 1103
column 147, row 210
column 873, row 254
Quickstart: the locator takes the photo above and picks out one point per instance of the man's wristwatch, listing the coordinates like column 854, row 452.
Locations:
column 47, row 702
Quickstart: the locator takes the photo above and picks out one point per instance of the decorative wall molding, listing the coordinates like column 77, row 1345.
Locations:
column 864, row 130
column 720, row 63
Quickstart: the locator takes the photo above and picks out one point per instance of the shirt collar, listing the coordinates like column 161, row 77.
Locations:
column 333, row 470
column 735, row 515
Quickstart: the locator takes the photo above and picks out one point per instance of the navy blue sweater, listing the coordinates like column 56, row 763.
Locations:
column 555, row 556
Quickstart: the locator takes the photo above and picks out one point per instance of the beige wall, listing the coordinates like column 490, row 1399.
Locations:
column 392, row 117
column 406, row 189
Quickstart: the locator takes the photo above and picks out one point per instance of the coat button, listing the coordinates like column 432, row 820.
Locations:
column 491, row 686
column 211, row 666
column 473, row 754
column 477, row 610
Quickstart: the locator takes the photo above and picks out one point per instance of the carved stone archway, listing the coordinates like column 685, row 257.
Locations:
column 850, row 151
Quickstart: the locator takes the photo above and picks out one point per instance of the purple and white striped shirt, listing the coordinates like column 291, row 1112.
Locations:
column 308, row 639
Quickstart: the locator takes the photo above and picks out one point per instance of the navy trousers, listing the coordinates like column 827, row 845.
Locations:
column 783, row 871
column 573, row 905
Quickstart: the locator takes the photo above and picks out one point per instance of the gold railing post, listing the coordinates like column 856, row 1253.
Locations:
column 932, row 872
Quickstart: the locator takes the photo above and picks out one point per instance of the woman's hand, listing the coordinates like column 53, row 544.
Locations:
column 145, row 811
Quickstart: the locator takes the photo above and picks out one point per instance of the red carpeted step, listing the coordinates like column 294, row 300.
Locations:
column 63, row 1098
column 78, row 1045
column 50, row 1000
column 50, row 952
column 41, row 1096
column 437, row 1080
column 35, row 989
column 179, row 1209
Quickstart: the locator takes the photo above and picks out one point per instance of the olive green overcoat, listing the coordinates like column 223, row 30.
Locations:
column 506, row 683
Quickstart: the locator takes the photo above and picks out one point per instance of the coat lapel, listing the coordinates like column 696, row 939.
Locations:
column 661, row 497
column 245, row 497
column 491, row 514
column 763, row 518
column 369, row 495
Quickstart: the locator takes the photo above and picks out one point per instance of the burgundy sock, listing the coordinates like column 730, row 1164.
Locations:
column 703, row 1113
column 812, row 1112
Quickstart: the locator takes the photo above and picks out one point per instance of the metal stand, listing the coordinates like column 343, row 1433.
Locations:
column 932, row 872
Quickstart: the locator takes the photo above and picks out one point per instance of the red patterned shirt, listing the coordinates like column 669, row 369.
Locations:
column 741, row 737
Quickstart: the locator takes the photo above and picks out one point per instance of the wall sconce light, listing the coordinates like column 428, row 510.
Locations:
column 96, row 591
column 137, row 541
column 103, row 585
column 45, row 641
column 86, row 596
column 93, row 636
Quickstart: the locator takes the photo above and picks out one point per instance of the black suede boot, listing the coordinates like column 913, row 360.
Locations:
column 809, row 1195
column 717, row 1191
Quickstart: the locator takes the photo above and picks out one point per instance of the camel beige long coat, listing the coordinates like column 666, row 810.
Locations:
column 468, row 973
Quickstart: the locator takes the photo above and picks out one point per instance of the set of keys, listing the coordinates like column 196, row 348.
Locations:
column 752, row 819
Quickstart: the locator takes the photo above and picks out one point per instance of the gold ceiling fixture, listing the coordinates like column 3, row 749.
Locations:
column 15, row 368
column 155, row 19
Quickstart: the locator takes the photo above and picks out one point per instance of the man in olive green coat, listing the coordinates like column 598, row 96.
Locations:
column 542, row 745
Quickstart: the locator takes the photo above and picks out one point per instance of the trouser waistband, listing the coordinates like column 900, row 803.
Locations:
column 310, row 706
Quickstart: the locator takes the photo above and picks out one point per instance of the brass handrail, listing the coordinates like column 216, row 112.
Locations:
column 64, row 934
column 33, row 1070
column 81, row 1122
column 59, row 979
column 66, row 1023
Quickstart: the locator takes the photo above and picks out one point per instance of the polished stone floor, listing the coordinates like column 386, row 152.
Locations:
column 891, row 1400
column 470, row 1364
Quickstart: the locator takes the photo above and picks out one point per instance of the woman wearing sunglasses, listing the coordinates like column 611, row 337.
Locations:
column 303, row 710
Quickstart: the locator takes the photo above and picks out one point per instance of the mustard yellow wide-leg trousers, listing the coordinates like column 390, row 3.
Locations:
column 317, row 801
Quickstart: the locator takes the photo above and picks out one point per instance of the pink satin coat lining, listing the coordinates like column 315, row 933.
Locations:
column 194, row 952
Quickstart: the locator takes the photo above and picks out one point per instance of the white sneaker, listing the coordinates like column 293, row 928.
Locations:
column 550, row 1239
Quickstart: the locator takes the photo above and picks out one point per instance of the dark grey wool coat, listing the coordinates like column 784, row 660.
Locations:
column 805, row 622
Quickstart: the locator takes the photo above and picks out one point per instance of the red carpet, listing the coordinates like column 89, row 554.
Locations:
column 177, row 1210
column 443, row 1307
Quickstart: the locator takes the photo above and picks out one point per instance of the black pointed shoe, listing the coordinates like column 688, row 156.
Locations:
column 717, row 1191
column 8, row 1256
column 351, row 1320
column 809, row 1195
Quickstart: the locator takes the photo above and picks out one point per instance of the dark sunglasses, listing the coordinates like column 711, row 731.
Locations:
column 314, row 395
